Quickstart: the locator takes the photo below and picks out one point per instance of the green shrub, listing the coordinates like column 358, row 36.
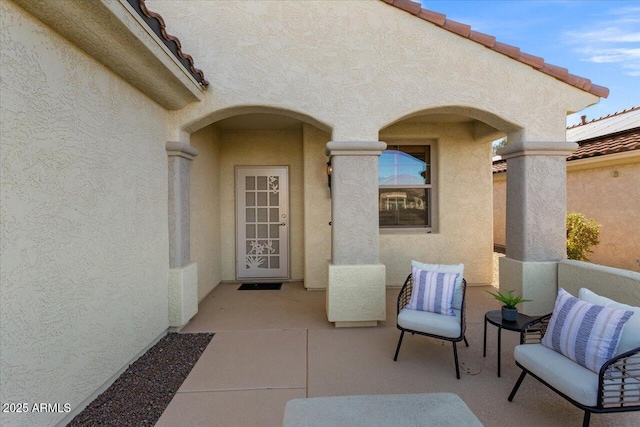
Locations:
column 582, row 235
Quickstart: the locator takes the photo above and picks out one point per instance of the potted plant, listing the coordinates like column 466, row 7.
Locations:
column 510, row 301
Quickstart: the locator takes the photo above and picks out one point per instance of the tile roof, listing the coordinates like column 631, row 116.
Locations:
column 490, row 42
column 608, row 144
column 627, row 140
column 612, row 123
column 156, row 23
column 499, row 166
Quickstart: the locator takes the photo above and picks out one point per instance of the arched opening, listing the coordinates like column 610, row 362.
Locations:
column 458, row 114
column 259, row 201
column 438, row 167
column 250, row 113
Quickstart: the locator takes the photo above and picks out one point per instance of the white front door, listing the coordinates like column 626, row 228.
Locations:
column 262, row 222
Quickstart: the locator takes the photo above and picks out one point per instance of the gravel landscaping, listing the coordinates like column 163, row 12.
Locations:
column 141, row 394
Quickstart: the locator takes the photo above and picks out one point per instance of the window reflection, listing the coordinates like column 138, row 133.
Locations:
column 405, row 186
column 404, row 165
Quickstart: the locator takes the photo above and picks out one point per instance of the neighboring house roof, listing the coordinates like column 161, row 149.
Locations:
column 156, row 23
column 490, row 42
column 499, row 166
column 613, row 123
column 608, row 144
column 622, row 134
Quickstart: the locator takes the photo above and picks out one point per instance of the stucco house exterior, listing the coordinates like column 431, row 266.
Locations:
column 603, row 177
column 136, row 177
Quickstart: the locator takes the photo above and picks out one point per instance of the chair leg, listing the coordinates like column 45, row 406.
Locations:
column 465, row 341
column 585, row 420
column 398, row 348
column 517, row 386
column 455, row 356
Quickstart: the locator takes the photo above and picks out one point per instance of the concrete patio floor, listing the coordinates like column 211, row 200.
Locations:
column 273, row 346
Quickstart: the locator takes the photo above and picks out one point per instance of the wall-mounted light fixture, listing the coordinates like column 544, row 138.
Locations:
column 329, row 170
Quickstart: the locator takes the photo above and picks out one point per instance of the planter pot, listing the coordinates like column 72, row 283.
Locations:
column 509, row 314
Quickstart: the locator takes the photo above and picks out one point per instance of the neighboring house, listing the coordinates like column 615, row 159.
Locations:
column 131, row 186
column 603, row 183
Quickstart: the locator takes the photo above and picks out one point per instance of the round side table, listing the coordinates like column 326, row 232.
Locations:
column 495, row 318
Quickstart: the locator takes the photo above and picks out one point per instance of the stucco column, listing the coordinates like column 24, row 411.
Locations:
column 356, row 288
column 183, row 275
column 180, row 156
column 535, row 222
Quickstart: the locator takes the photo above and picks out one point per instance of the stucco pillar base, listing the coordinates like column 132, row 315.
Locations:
column 183, row 294
column 356, row 295
column 356, row 324
column 537, row 281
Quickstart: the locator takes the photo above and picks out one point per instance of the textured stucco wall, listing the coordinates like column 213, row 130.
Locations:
column 619, row 285
column 183, row 294
column 264, row 148
column 355, row 66
column 354, row 208
column 317, row 208
column 536, row 204
column 499, row 209
column 464, row 212
column 356, row 295
column 613, row 202
column 84, row 264
column 206, row 249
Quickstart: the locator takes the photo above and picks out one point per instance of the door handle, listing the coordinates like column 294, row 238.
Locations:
column 282, row 224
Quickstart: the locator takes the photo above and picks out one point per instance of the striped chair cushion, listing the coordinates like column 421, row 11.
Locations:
column 432, row 291
column 585, row 333
column 446, row 268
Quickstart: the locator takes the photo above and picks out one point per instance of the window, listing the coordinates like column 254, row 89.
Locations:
column 405, row 186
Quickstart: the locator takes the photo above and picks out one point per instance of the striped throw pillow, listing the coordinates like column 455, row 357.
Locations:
column 432, row 291
column 585, row 333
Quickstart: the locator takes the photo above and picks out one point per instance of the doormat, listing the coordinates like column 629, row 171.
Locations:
column 260, row 287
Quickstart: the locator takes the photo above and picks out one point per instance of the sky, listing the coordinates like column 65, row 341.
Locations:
column 599, row 40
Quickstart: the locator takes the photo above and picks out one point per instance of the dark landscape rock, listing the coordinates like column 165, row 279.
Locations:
column 142, row 393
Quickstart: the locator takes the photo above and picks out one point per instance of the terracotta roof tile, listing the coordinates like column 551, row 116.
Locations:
column 506, row 49
column 559, row 73
column 600, row 91
column 488, row 41
column 609, row 144
column 580, row 82
column 532, row 60
column 485, row 39
column 457, row 27
column 408, row 6
column 433, row 17
column 499, row 166
column 156, row 22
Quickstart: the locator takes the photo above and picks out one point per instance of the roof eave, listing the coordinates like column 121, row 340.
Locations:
column 113, row 34
column 490, row 42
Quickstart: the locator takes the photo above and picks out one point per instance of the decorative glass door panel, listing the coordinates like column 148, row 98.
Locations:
column 262, row 222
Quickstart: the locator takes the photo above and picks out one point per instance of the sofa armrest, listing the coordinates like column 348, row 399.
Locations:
column 619, row 381
column 533, row 331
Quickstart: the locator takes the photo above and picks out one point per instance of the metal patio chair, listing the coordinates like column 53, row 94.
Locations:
column 440, row 326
